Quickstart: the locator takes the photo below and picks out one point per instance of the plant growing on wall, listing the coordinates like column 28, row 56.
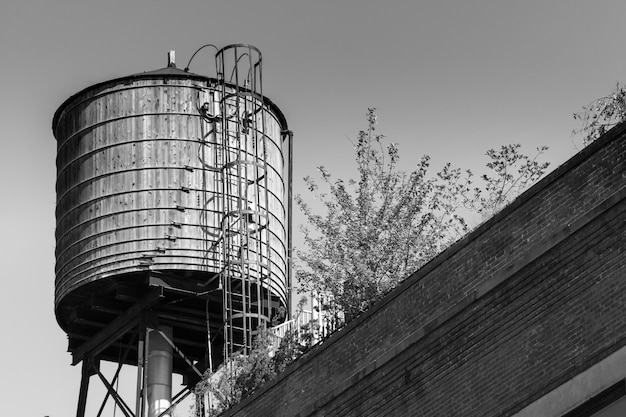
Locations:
column 510, row 172
column 385, row 224
column 238, row 377
column 601, row 115
column 242, row 375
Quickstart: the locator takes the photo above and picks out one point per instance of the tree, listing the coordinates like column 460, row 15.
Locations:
column 601, row 115
column 388, row 223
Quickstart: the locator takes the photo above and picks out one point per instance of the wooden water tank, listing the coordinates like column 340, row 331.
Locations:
column 139, row 198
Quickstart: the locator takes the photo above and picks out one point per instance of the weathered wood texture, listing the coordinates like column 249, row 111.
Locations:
column 139, row 181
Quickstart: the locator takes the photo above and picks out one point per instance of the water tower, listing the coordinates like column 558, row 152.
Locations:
column 173, row 229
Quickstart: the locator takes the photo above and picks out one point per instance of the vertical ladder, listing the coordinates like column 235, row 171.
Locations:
column 245, row 252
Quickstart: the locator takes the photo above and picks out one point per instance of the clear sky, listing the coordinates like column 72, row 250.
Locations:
column 449, row 78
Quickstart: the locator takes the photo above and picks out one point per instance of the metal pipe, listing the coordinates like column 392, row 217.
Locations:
column 290, row 226
column 160, row 366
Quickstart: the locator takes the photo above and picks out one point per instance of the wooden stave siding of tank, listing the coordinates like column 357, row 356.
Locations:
column 129, row 182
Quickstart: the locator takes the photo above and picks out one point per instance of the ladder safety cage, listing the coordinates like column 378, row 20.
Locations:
column 234, row 149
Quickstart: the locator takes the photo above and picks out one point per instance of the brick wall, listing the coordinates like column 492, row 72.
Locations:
column 525, row 302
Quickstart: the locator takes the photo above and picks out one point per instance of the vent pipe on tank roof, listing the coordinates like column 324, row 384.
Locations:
column 171, row 59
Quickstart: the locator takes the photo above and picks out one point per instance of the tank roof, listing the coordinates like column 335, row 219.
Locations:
column 166, row 72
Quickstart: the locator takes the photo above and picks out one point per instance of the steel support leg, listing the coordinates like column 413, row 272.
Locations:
column 84, row 388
